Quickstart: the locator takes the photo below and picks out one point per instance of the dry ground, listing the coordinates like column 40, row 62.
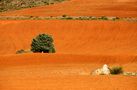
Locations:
column 82, row 46
column 121, row 8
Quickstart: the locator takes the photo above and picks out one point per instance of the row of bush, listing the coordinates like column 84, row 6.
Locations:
column 88, row 18
column 63, row 17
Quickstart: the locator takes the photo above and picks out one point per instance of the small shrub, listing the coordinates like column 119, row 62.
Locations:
column 130, row 73
column 20, row 51
column 51, row 3
column 43, row 43
column 115, row 18
column 69, row 18
column 92, row 18
column 84, row 18
column 64, row 15
column 103, row 18
column 116, row 70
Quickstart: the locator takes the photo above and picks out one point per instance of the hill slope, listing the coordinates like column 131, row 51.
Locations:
column 6, row 5
column 71, row 37
column 121, row 8
column 82, row 46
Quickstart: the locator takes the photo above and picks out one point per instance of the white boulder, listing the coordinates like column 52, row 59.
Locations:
column 102, row 71
column 105, row 69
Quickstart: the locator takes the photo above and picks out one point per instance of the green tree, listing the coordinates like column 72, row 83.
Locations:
column 43, row 43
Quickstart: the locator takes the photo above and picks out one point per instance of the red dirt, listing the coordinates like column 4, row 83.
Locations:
column 38, row 81
column 121, row 8
column 55, row 72
column 72, row 37
column 82, row 46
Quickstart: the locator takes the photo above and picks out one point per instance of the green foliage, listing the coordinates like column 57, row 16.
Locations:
column 116, row 70
column 43, row 43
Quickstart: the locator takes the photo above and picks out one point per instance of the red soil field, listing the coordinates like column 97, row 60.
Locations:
column 121, row 8
column 81, row 47
column 71, row 37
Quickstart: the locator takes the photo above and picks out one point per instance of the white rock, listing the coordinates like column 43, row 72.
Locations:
column 106, row 70
column 102, row 71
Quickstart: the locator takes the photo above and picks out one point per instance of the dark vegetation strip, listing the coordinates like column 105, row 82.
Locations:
column 65, row 17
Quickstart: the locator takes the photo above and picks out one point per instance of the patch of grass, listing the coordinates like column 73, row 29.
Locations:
column 116, row 70
column 21, row 51
column 130, row 74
